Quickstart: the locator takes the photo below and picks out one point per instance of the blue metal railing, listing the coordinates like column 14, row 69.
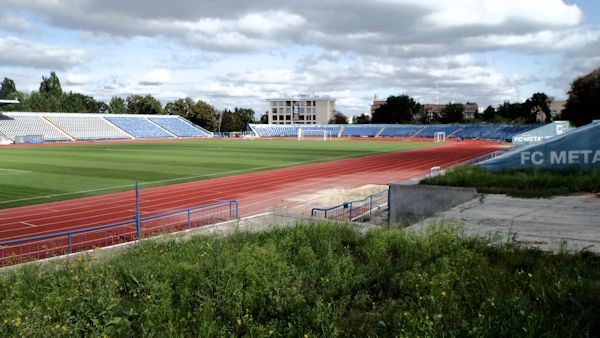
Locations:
column 67, row 242
column 351, row 210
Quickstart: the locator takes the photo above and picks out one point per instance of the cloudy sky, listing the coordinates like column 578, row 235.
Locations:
column 237, row 53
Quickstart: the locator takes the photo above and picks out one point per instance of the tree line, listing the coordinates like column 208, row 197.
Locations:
column 582, row 106
column 406, row 110
column 51, row 98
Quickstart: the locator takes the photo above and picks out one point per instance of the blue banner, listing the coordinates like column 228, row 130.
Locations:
column 576, row 149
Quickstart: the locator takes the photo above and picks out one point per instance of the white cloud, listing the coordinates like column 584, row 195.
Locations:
column 77, row 79
column 24, row 53
column 15, row 23
column 156, row 77
column 351, row 49
column 542, row 13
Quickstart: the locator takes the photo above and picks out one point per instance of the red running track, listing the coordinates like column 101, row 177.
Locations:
column 256, row 192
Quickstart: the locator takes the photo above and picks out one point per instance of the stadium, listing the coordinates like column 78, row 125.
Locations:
column 157, row 215
column 74, row 182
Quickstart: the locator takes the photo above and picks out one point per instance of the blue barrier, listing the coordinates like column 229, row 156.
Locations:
column 68, row 242
column 352, row 210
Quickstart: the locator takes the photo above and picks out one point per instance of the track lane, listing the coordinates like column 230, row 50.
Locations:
column 256, row 192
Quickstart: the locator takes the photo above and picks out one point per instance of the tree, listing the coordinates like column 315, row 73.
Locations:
column 583, row 103
column 8, row 89
column 117, row 106
column 264, row 118
column 361, row 119
column 245, row 115
column 397, row 109
column 203, row 114
column 137, row 104
column 489, row 113
column 50, row 85
column 230, row 122
column 453, row 113
column 180, row 107
column 78, row 103
column 102, row 107
column 538, row 103
column 38, row 102
column 338, row 118
column 517, row 112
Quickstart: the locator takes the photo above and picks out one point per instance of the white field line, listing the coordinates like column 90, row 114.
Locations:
column 13, row 171
column 230, row 172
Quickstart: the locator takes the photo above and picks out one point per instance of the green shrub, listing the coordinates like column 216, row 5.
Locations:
column 314, row 279
column 520, row 183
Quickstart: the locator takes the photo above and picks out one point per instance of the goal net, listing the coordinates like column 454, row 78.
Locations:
column 313, row 134
column 439, row 136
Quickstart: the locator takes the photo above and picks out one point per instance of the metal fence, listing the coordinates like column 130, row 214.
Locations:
column 352, row 210
column 67, row 242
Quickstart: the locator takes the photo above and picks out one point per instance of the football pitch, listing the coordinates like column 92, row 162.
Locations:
column 39, row 174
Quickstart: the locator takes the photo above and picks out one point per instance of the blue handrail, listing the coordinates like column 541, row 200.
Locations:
column 112, row 225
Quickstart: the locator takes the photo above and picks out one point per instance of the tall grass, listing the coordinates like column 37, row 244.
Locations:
column 520, row 183
column 310, row 280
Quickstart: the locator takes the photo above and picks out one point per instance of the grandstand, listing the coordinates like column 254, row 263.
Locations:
column 85, row 128
column 28, row 124
column 501, row 132
column 139, row 127
column 179, row 127
column 59, row 127
column 362, row 130
column 401, row 130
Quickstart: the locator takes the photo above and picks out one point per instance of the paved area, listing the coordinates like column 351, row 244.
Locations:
column 565, row 222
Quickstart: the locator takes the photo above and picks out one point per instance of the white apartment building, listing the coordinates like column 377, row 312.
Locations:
column 303, row 109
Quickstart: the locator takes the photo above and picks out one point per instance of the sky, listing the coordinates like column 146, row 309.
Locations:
column 238, row 53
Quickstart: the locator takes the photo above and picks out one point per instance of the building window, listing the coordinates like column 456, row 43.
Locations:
column 288, row 103
column 301, row 117
column 315, row 117
column 274, row 110
column 288, row 117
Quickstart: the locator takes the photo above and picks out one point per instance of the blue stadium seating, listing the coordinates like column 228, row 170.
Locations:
column 400, row 130
column 180, row 127
column 502, row 132
column 291, row 130
column 430, row 129
column 138, row 127
column 361, row 130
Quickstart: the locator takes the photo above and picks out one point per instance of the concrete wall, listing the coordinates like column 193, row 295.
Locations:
column 409, row 204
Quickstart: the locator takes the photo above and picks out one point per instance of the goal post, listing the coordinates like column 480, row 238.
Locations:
column 439, row 136
column 313, row 134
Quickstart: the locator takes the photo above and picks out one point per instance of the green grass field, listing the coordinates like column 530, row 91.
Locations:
column 30, row 175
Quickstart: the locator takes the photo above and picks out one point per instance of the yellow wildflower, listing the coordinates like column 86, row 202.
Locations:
column 239, row 322
column 443, row 293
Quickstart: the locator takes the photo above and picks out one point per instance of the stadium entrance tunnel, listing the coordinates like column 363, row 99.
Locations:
column 577, row 149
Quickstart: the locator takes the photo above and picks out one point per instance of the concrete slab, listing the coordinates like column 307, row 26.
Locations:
column 565, row 222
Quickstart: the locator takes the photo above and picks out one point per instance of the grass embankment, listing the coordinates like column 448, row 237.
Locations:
column 540, row 183
column 314, row 280
column 30, row 175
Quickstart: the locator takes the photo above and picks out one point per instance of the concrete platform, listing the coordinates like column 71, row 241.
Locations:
column 566, row 222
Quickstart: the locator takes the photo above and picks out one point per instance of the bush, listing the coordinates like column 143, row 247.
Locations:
column 314, row 279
